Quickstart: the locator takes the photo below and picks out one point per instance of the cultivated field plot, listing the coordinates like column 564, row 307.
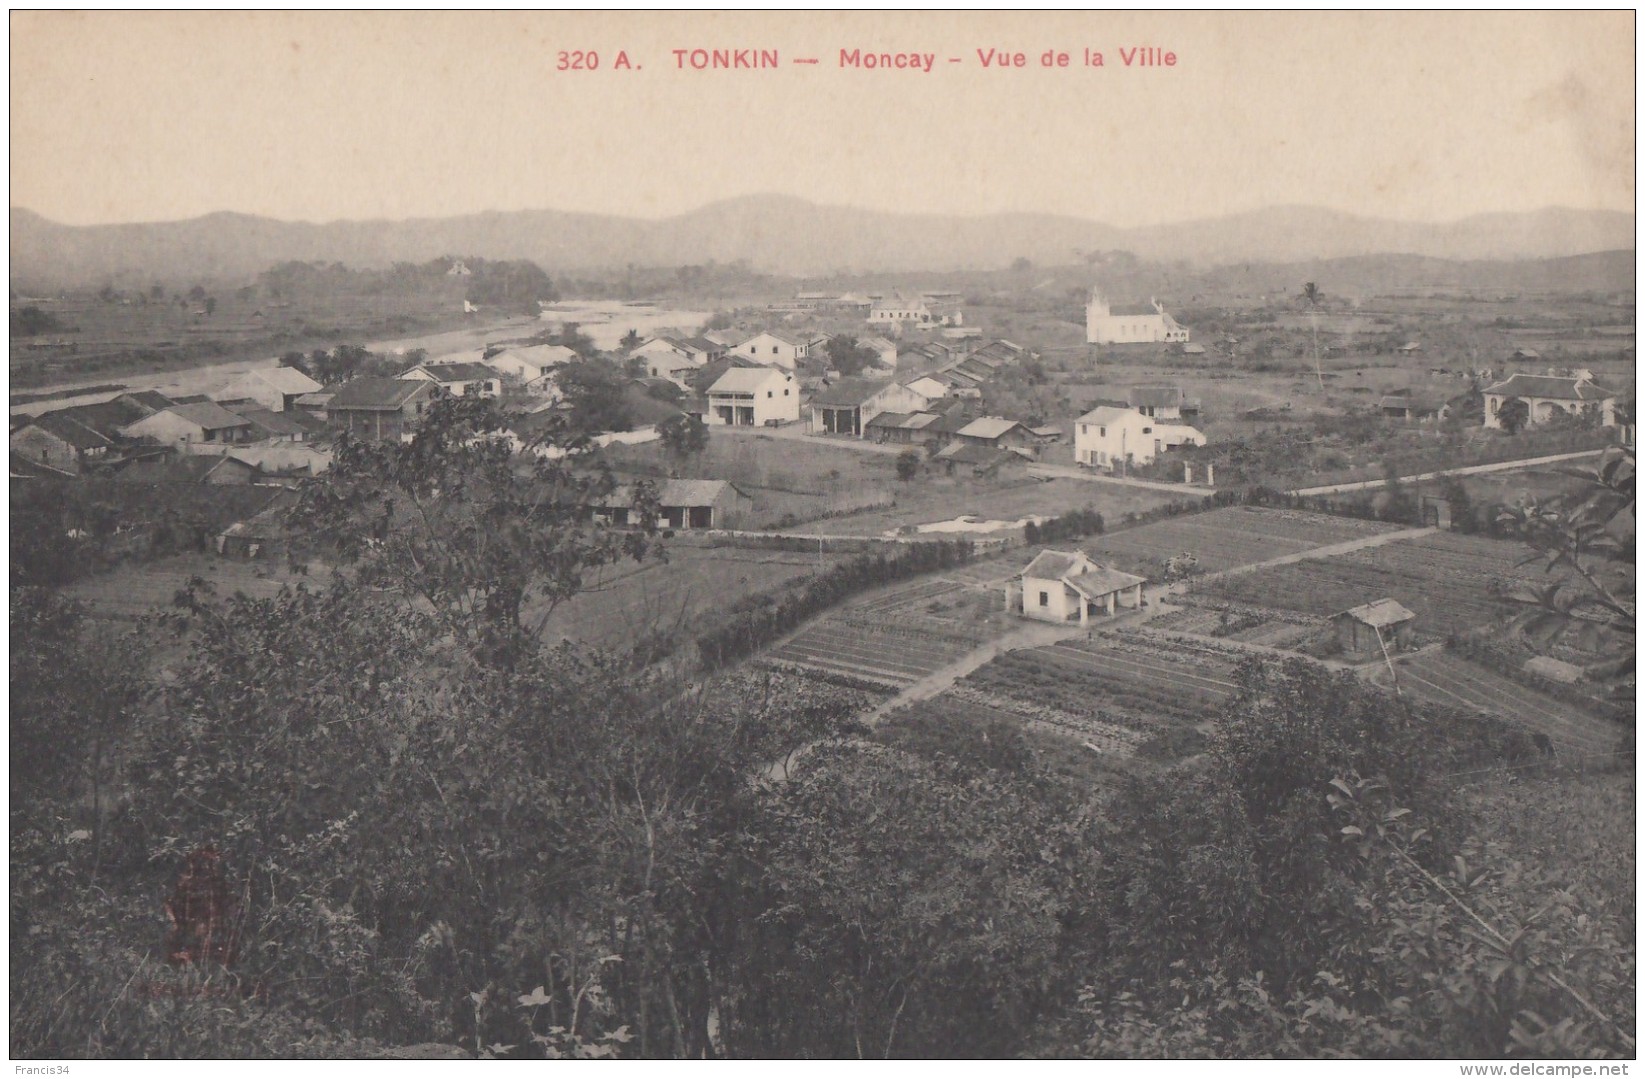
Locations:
column 133, row 590
column 1444, row 578
column 631, row 600
column 1450, row 680
column 1114, row 691
column 1227, row 538
column 890, row 656
column 898, row 635
column 1239, row 622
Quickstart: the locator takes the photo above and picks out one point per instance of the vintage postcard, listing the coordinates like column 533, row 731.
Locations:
column 796, row 535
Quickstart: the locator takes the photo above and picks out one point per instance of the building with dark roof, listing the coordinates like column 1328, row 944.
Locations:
column 379, row 409
column 848, row 405
column 200, row 423
column 683, row 504
column 59, row 442
column 457, row 379
column 1547, row 396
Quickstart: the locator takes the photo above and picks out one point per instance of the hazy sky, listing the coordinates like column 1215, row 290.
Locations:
column 313, row 116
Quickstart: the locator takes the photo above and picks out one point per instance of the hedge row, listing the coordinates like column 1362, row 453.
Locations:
column 1075, row 525
column 752, row 630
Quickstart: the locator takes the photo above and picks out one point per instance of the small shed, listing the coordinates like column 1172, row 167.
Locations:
column 1364, row 631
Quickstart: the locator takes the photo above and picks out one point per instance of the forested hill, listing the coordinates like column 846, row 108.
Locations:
column 777, row 234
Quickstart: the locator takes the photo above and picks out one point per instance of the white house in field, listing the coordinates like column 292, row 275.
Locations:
column 1548, row 395
column 1059, row 586
column 773, row 350
column 275, row 388
column 1109, row 436
column 1127, row 324
column 753, row 397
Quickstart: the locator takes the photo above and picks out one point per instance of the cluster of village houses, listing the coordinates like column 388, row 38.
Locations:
column 919, row 389
column 272, row 424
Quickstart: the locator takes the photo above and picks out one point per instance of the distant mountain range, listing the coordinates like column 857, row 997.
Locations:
column 778, row 234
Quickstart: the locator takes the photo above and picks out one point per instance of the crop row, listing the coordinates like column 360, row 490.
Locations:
column 903, row 597
column 847, row 648
column 1099, row 729
column 1082, row 686
column 1449, row 680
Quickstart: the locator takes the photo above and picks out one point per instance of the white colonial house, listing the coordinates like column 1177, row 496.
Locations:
column 1109, row 436
column 1546, row 396
column 275, row 388
column 672, row 358
column 532, row 367
column 1126, row 324
column 773, row 350
column 753, row 397
column 1059, row 586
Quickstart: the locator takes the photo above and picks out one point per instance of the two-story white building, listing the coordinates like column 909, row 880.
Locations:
column 1109, row 436
column 773, row 350
column 753, row 397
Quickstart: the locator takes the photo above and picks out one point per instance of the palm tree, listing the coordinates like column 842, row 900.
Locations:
column 1313, row 296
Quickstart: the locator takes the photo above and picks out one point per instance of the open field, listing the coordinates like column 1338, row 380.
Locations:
column 135, row 589
column 135, row 340
column 1227, row 538
column 1444, row 578
column 800, row 481
column 929, row 499
column 627, row 601
column 1450, row 680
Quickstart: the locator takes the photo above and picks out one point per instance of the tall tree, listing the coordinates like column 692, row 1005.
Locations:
column 1313, row 297
column 452, row 519
column 683, row 437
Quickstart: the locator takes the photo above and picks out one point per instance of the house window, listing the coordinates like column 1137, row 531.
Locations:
column 1147, row 430
column 1102, row 432
column 773, row 350
column 769, row 395
column 785, row 393
column 1045, row 599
